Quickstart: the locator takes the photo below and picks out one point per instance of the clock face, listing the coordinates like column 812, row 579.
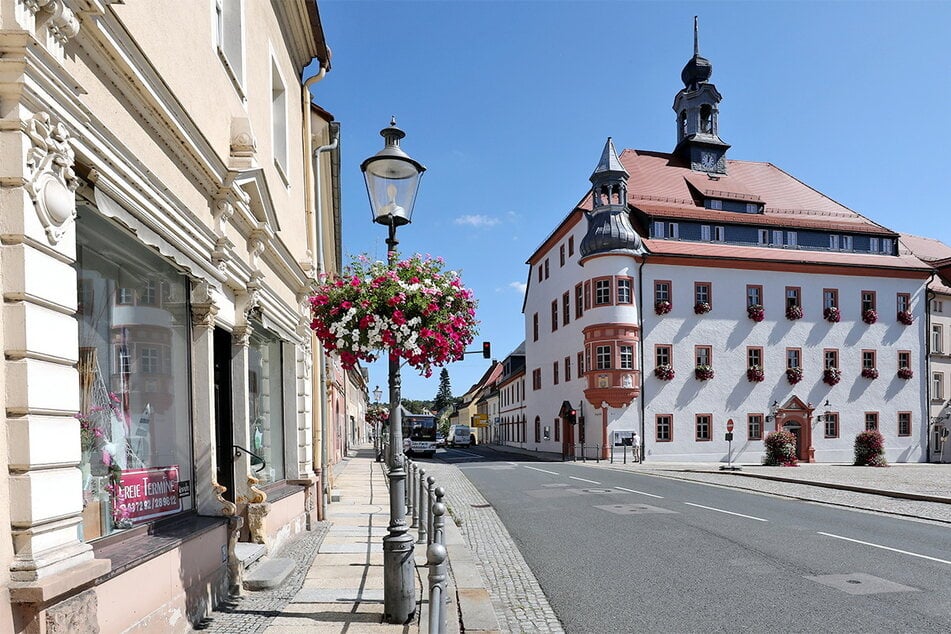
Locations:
column 708, row 159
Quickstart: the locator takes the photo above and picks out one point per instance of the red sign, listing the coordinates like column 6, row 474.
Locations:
column 729, row 424
column 145, row 494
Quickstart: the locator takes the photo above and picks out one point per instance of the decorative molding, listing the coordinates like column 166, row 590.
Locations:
column 50, row 179
column 58, row 19
column 257, row 495
column 228, row 508
column 204, row 304
column 241, row 335
column 243, row 144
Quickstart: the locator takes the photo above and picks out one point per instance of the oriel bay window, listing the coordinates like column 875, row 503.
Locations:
column 266, row 405
column 602, row 292
column 134, row 383
column 625, row 357
column 624, row 290
column 603, row 358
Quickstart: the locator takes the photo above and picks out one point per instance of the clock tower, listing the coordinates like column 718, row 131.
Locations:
column 697, row 108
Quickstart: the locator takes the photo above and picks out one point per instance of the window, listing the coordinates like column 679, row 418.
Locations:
column 557, row 427
column 830, row 298
column 868, row 300
column 121, row 360
column 871, row 421
column 565, row 309
column 661, row 291
column 587, row 295
column 229, row 39
column 547, row 433
column 752, row 208
column 793, row 358
column 903, row 302
column 279, row 120
column 561, row 255
column 904, row 358
column 703, row 431
column 778, row 237
column 571, row 246
column 904, row 423
column 541, row 272
column 834, row 242
column 662, row 355
column 873, row 245
column 763, row 236
column 719, row 234
column 754, row 357
column 831, row 359
column 624, row 290
column 626, row 357
column 554, row 373
column 602, row 292
column 701, row 292
column 537, row 379
column 535, row 327
column 149, row 358
column 658, row 227
column 754, row 426
column 868, row 359
column 792, row 297
column 937, row 306
column 887, row 245
column 673, row 230
column 266, row 403
column 831, row 425
column 704, row 355
column 554, row 315
column 716, row 204
column 754, row 295
column 580, row 360
column 705, row 232
column 538, row 429
column 567, row 368
column 579, row 301
column 792, row 238
column 937, row 338
column 603, row 358
column 663, row 427
column 846, row 243
column 937, row 386
column 149, row 294
column 546, row 268
column 125, row 296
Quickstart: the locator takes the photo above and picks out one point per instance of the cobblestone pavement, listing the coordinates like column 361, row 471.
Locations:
column 520, row 605
column 254, row 611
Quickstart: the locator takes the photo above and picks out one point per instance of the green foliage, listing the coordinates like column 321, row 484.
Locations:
column 418, row 407
column 870, row 449
column 444, row 394
column 780, row 449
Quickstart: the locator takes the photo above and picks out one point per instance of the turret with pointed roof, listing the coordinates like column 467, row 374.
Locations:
column 609, row 228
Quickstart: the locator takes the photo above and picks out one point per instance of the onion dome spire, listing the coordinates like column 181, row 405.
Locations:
column 699, row 69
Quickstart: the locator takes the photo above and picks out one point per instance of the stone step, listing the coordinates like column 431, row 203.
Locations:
column 268, row 574
column 248, row 553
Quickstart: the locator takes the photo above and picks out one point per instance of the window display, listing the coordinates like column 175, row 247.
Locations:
column 266, row 406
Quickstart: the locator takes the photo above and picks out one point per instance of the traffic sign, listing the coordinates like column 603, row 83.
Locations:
column 729, row 425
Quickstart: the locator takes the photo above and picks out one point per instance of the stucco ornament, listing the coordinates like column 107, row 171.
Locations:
column 50, row 179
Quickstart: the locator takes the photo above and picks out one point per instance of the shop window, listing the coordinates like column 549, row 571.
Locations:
column 266, row 405
column 135, row 415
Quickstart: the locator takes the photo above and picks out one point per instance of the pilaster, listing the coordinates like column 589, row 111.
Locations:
column 241, row 428
column 204, row 306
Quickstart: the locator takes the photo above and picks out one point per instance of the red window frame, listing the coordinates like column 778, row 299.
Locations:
column 664, row 427
column 750, row 432
column 709, row 427
column 904, row 420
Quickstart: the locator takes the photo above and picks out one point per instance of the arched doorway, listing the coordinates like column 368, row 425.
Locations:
column 794, row 416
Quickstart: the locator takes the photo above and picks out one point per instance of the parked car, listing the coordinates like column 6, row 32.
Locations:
column 459, row 436
column 440, row 440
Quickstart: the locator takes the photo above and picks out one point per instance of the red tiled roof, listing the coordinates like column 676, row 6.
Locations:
column 927, row 249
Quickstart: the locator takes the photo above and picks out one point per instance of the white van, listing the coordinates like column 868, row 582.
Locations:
column 459, row 436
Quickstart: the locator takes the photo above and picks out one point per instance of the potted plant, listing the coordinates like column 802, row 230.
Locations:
column 663, row 307
column 701, row 307
column 780, row 449
column 704, row 372
column 831, row 376
column 664, row 372
column 414, row 309
column 831, row 314
column 870, row 449
column 755, row 374
column 793, row 375
column 870, row 373
column 794, row 312
column 905, row 372
column 756, row 312
column 905, row 317
column 869, row 316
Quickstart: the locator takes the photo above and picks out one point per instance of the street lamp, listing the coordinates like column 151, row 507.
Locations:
column 392, row 178
column 377, row 425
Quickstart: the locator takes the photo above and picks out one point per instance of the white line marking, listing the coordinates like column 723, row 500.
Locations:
column 894, row 550
column 659, row 497
column 542, row 470
column 584, row 480
column 710, row 508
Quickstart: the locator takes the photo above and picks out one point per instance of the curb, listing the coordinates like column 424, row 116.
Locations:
column 476, row 612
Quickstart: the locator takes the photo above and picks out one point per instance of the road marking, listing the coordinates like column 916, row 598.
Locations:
column 584, row 480
column 710, row 508
column 542, row 470
column 894, row 550
column 468, row 453
column 659, row 497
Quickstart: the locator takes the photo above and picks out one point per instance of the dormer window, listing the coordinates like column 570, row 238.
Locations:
column 887, row 245
column 716, row 204
column 752, row 208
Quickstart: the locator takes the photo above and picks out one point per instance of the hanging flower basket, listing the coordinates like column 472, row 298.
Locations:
column 793, row 375
column 831, row 376
column 832, row 315
column 755, row 374
column 703, row 372
column 869, row 316
column 414, row 309
column 664, row 372
column 905, row 317
column 377, row 414
column 870, row 373
column 663, row 307
column 794, row 312
column 756, row 312
column 701, row 307
column 905, row 373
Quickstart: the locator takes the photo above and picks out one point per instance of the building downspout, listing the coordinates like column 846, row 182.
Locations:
column 929, row 295
column 640, row 316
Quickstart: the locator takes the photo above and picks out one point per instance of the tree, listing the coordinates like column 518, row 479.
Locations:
column 444, row 396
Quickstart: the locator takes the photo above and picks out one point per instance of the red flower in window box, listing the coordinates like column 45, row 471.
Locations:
column 662, row 307
column 794, row 312
column 831, row 376
column 869, row 316
column 701, row 308
column 905, row 372
column 832, row 315
column 756, row 312
column 793, row 375
column 704, row 372
column 905, row 317
column 755, row 374
column 664, row 372
column 870, row 373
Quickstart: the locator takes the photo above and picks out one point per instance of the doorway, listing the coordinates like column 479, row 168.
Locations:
column 224, row 418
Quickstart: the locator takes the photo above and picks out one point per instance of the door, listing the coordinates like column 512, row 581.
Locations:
column 224, row 420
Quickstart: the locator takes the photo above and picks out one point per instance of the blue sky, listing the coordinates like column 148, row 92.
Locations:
column 508, row 105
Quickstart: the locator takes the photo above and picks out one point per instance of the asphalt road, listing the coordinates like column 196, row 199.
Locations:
column 616, row 551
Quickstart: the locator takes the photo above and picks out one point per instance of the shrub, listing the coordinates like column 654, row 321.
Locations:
column 905, row 317
column 704, row 372
column 832, row 314
column 664, row 372
column 662, row 307
column 755, row 374
column 701, row 308
column 905, row 373
column 756, row 312
column 831, row 376
column 780, row 449
column 870, row 449
column 870, row 373
column 869, row 316
column 794, row 312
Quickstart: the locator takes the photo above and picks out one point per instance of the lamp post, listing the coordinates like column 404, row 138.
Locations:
column 377, row 426
column 392, row 178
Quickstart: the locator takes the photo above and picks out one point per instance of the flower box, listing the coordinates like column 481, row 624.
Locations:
column 703, row 372
column 663, row 307
column 870, row 373
column 905, row 317
column 832, row 315
column 755, row 374
column 869, row 316
column 756, row 312
column 793, row 375
column 905, row 373
column 831, row 376
column 794, row 312
column 664, row 372
column 701, row 307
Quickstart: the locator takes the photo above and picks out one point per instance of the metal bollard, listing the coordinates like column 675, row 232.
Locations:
column 414, row 495
column 584, row 455
column 439, row 522
column 436, row 560
column 430, row 491
column 624, row 447
column 407, row 501
column 423, row 508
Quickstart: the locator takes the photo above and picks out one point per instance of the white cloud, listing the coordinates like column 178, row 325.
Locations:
column 477, row 220
column 521, row 287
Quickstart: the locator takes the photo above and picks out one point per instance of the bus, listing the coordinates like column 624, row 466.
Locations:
column 420, row 432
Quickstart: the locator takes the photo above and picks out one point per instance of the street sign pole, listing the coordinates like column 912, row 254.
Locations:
column 729, row 456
